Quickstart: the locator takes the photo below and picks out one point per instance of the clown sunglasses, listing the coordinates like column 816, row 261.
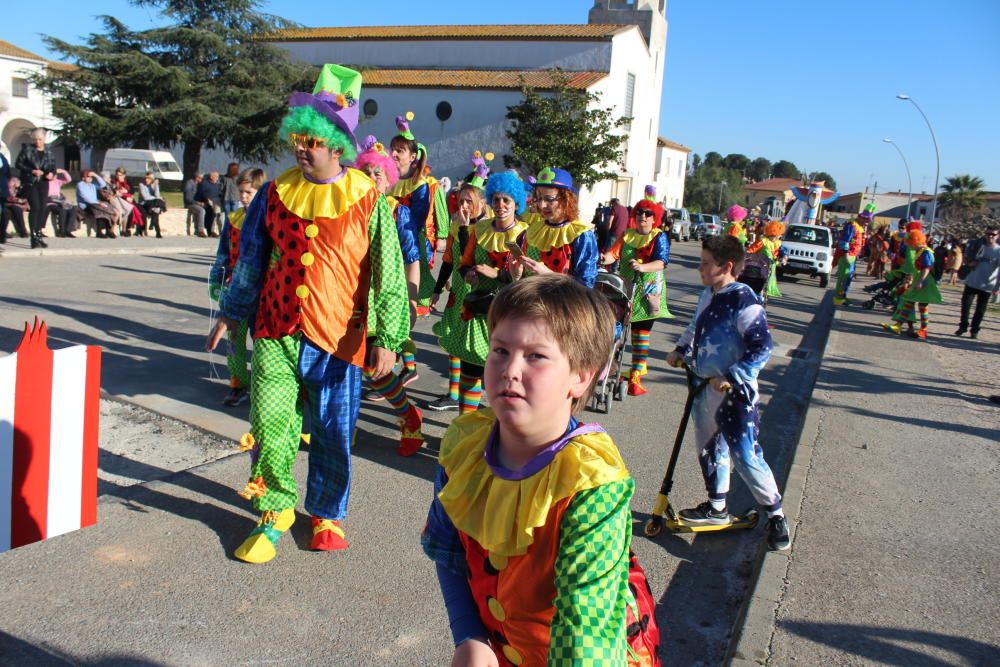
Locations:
column 642, row 211
column 305, row 141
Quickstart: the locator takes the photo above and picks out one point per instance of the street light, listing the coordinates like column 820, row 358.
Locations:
column 722, row 184
column 937, row 156
column 909, row 181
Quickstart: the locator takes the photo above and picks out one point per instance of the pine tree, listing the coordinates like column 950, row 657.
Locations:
column 564, row 129
column 205, row 80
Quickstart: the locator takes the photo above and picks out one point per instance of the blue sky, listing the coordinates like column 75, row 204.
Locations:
column 807, row 82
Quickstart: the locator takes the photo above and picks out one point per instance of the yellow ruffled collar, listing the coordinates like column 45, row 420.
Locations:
column 544, row 236
column 404, row 187
column 493, row 241
column 310, row 201
column 633, row 238
column 501, row 514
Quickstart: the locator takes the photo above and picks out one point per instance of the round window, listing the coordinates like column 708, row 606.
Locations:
column 370, row 108
column 443, row 111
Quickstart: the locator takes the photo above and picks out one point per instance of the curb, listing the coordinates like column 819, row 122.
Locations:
column 754, row 624
column 69, row 252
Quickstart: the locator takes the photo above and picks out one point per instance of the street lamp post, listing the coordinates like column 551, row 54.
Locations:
column 937, row 157
column 909, row 181
column 722, row 184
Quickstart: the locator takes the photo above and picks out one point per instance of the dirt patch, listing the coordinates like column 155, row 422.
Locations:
column 139, row 446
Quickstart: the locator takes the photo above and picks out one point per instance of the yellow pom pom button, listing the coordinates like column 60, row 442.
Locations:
column 312, row 231
column 302, row 291
column 497, row 561
column 307, row 259
column 511, row 654
column 496, row 609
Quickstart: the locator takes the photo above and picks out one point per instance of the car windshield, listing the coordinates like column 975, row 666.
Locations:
column 675, row 213
column 811, row 235
column 168, row 166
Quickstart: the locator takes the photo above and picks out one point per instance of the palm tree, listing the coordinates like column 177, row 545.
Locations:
column 962, row 196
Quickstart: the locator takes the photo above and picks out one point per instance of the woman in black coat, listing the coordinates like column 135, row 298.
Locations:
column 37, row 167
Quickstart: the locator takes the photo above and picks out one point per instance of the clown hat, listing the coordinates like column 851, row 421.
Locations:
column 868, row 214
column 480, row 172
column 334, row 98
column 736, row 213
column 555, row 178
column 373, row 152
column 650, row 192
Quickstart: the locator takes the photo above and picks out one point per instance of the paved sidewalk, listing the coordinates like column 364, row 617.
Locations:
column 894, row 501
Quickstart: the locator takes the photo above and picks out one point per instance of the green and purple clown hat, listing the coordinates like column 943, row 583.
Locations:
column 330, row 112
column 480, row 170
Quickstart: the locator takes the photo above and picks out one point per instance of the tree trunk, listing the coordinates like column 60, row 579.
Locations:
column 192, row 158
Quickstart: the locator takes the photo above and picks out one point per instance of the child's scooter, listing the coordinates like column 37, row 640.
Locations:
column 663, row 514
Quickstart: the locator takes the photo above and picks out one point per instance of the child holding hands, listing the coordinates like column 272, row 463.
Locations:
column 530, row 526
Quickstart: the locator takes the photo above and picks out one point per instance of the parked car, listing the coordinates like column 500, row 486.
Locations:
column 808, row 250
column 137, row 161
column 704, row 225
column 680, row 228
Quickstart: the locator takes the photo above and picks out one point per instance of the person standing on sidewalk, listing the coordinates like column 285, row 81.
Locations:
column 194, row 208
column 230, row 191
column 982, row 282
column 726, row 345
column 37, row 167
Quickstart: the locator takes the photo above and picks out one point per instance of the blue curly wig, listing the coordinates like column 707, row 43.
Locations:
column 507, row 183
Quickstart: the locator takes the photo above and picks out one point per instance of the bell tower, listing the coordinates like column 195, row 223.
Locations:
column 649, row 15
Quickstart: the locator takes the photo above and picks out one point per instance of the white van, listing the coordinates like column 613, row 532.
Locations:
column 137, row 161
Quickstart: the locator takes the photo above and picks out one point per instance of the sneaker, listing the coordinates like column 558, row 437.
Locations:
column 373, row 396
column 444, row 403
column 705, row 515
column 777, row 533
column 236, row 396
column 407, row 376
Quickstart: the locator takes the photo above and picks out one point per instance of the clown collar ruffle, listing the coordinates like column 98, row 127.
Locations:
column 545, row 236
column 502, row 514
column 492, row 240
column 311, row 201
column 633, row 238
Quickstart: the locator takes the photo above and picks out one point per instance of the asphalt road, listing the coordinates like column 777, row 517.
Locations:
column 155, row 581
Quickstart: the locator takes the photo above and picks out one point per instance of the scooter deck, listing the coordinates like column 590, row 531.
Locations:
column 669, row 520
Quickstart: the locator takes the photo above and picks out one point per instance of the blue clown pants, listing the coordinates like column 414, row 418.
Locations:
column 726, row 429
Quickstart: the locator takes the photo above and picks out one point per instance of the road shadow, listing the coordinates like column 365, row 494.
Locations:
column 895, row 646
column 17, row 651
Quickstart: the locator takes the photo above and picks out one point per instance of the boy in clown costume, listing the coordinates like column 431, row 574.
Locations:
column 849, row 245
column 557, row 241
column 736, row 215
column 644, row 253
column 530, row 524
column 226, row 255
column 378, row 166
column 321, row 262
column 484, row 267
column 428, row 206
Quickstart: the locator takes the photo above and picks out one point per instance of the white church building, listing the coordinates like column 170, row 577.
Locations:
column 458, row 80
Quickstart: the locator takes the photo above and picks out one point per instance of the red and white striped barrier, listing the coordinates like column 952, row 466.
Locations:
column 49, row 411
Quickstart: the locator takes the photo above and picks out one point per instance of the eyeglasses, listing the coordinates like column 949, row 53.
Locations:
column 992, row 233
column 643, row 212
column 551, row 199
column 305, row 141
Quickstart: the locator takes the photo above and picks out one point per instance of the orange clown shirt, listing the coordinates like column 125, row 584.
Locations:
column 322, row 259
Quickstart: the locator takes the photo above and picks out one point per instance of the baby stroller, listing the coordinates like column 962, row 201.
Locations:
column 884, row 293
column 756, row 272
column 609, row 383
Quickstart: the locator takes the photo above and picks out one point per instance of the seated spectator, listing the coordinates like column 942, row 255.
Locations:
column 195, row 211
column 133, row 222
column 95, row 197
column 63, row 213
column 14, row 210
column 151, row 202
column 209, row 194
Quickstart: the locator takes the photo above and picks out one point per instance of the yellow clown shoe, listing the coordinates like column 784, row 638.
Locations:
column 259, row 547
column 892, row 327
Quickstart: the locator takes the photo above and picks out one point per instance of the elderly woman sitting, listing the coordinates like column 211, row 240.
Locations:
column 95, row 199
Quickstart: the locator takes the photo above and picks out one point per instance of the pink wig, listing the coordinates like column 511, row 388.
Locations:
column 736, row 213
column 375, row 154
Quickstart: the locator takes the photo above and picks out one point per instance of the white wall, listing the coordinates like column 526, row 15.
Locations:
column 19, row 115
column 671, row 171
column 456, row 54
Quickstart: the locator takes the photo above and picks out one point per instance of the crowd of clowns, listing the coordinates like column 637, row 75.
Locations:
column 328, row 265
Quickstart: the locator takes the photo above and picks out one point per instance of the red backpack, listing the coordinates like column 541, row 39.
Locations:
column 640, row 618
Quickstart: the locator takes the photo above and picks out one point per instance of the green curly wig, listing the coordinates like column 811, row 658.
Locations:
column 308, row 121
